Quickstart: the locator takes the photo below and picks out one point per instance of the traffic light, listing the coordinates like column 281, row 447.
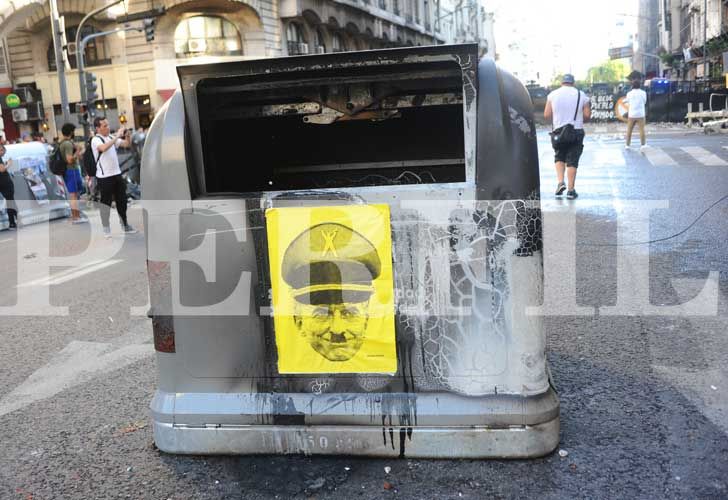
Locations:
column 91, row 95
column 91, row 86
column 149, row 29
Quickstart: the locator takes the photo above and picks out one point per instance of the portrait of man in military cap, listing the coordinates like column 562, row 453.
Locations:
column 332, row 288
column 330, row 269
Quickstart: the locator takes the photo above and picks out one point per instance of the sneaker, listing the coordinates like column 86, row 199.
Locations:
column 627, row 147
column 13, row 227
column 107, row 232
column 560, row 188
column 128, row 229
column 81, row 220
column 643, row 148
column 572, row 194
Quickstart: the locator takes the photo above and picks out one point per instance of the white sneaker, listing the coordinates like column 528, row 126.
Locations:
column 643, row 148
column 107, row 232
column 627, row 146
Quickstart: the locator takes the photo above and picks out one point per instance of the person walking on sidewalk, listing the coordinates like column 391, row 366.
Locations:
column 72, row 177
column 108, row 173
column 636, row 101
column 7, row 190
column 568, row 108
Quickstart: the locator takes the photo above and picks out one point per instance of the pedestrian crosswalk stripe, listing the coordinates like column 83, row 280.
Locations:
column 71, row 274
column 604, row 158
column 704, row 156
column 658, row 157
column 608, row 157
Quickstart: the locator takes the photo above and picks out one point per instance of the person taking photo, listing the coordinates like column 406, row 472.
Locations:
column 108, row 173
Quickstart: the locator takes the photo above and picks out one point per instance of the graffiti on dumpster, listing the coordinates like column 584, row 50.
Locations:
column 602, row 106
column 333, row 300
column 33, row 168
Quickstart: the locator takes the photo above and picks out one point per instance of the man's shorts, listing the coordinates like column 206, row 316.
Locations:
column 570, row 153
column 74, row 183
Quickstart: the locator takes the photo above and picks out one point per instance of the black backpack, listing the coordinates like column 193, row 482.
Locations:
column 88, row 162
column 57, row 163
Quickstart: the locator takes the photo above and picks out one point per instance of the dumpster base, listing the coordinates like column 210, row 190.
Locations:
column 422, row 442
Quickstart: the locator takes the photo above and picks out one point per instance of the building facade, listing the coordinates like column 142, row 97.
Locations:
column 136, row 77
column 465, row 21
column 646, row 59
column 692, row 38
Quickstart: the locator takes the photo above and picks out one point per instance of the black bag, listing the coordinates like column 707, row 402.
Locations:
column 567, row 134
column 57, row 163
column 88, row 162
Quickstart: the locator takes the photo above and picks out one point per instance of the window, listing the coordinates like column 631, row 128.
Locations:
column 337, row 43
column 94, row 54
column 395, row 7
column 320, row 45
column 3, row 66
column 296, row 40
column 207, row 36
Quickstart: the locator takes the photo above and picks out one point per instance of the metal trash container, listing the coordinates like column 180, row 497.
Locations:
column 341, row 252
column 40, row 195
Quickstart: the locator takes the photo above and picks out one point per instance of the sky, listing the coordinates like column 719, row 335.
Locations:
column 537, row 39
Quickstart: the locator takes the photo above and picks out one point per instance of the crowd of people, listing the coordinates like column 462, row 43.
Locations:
column 97, row 173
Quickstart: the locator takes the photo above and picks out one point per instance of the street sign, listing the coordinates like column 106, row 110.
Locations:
column 12, row 100
column 621, row 52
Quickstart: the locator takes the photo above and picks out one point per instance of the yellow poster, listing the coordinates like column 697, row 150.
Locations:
column 333, row 300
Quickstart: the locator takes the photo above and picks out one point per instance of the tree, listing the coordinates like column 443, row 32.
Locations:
column 557, row 80
column 608, row 72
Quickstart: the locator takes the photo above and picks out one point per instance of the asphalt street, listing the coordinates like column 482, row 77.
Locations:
column 644, row 397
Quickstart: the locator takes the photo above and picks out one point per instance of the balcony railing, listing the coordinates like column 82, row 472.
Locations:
column 297, row 48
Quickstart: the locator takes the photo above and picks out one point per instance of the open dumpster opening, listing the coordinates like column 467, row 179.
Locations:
column 361, row 126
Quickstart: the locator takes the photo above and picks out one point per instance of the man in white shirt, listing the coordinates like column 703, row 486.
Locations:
column 567, row 105
column 636, row 100
column 108, row 173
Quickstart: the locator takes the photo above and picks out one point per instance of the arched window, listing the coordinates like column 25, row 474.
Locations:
column 207, row 36
column 320, row 45
column 94, row 55
column 337, row 43
column 296, row 40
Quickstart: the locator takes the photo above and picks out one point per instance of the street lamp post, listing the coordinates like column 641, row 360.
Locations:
column 79, row 53
column 705, row 40
column 60, row 68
